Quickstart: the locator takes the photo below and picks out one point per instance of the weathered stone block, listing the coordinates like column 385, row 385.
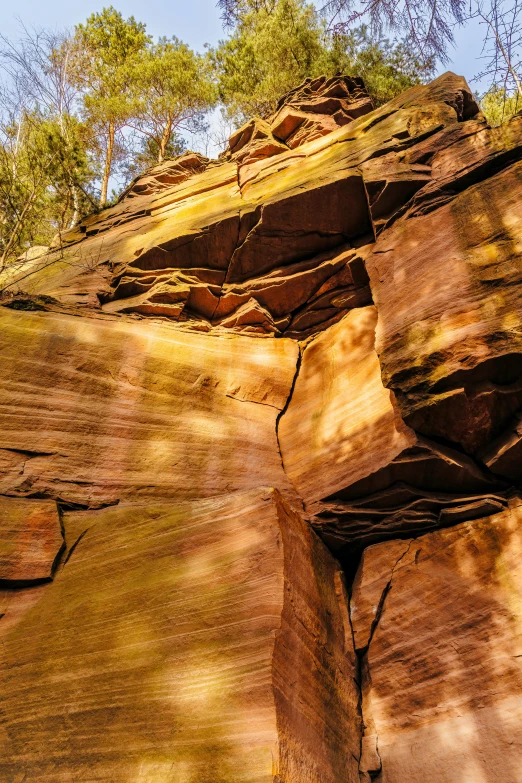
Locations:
column 109, row 409
column 364, row 474
column 195, row 642
column 440, row 619
column 30, row 539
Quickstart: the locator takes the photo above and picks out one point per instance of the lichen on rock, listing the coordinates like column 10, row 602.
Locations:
column 260, row 428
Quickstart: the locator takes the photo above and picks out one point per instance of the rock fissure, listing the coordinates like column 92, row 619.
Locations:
column 346, row 595
column 382, row 249
column 283, row 411
column 370, row 763
column 74, row 545
column 220, row 293
column 382, row 601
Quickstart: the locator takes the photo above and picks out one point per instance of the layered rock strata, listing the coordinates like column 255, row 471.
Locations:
column 268, row 247
column 314, row 109
column 437, row 620
column 331, row 310
column 363, row 474
column 167, row 648
column 132, row 413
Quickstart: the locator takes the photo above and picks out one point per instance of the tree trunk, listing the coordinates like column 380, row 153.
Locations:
column 108, row 164
column 17, row 146
column 505, row 54
column 14, row 233
column 76, row 204
column 165, row 136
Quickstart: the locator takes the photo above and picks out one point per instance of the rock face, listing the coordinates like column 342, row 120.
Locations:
column 314, row 109
column 131, row 413
column 30, row 539
column 269, row 246
column 260, row 477
column 362, row 472
column 124, row 685
column 438, row 621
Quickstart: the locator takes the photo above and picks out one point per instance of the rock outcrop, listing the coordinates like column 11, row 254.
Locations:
column 314, row 109
column 132, row 413
column 260, row 476
column 362, row 472
column 176, row 658
column 437, row 621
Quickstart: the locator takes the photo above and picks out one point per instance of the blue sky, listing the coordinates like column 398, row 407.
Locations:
column 196, row 22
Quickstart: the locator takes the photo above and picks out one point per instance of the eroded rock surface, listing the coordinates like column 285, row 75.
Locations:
column 268, row 245
column 167, row 649
column 439, row 620
column 132, row 412
column 363, row 473
column 314, row 109
column 331, row 309
column 30, row 539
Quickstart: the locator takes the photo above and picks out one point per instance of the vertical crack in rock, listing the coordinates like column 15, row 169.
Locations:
column 370, row 761
column 240, row 241
column 73, row 547
column 257, row 216
column 370, row 218
column 382, row 600
column 344, row 604
column 59, row 555
column 370, row 764
column 344, row 597
column 228, row 269
column 238, row 244
column 283, row 411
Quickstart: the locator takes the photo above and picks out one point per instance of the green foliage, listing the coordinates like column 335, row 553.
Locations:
column 106, row 53
column 276, row 46
column 75, row 109
column 172, row 87
column 42, row 163
column 107, row 47
column 271, row 50
column 499, row 106
column 147, row 152
column 388, row 68
column 129, row 81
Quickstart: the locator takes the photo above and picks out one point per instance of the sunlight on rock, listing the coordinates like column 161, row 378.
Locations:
column 261, row 459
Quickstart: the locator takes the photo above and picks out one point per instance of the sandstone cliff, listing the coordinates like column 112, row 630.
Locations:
column 260, row 440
